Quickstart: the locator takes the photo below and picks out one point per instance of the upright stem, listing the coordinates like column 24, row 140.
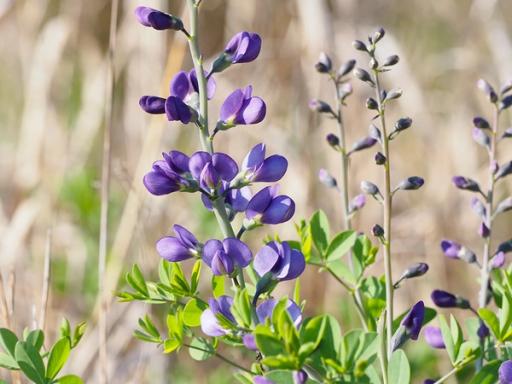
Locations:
column 347, row 222
column 484, row 270
column 387, row 217
column 219, row 207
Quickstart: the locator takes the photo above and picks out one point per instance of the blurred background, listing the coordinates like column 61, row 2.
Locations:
column 53, row 86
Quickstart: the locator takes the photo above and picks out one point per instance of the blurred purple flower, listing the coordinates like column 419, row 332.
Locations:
column 410, row 326
column 361, row 144
column 356, row 203
column 300, row 377
column 264, row 311
column 326, row 178
column 454, row 250
column 241, row 108
column 465, row 183
column 268, row 208
column 249, row 341
column 257, row 168
column 223, row 257
column 261, row 380
column 181, row 247
column 170, row 175
column 220, row 306
column 445, row 299
column 152, row 104
column 279, row 259
column 482, row 331
column 505, row 372
column 434, row 337
column 156, row 19
column 498, row 260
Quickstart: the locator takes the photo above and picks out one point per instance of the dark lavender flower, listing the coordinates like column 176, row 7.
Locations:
column 380, row 159
column 300, row 377
column 364, row 76
column 480, row 122
column 415, row 270
column 482, row 331
column 504, row 206
column 455, row 250
column 505, row 372
column 158, row 20
column 265, row 309
column 223, row 257
column 238, row 198
column 346, row 68
column 356, row 203
column 324, row 63
column 244, row 47
column 211, row 170
column 487, row 88
column 183, row 246
column 258, row 168
column 465, row 183
column 445, row 299
column 249, row 342
column 434, row 337
column 170, row 175
column 152, row 104
column 333, row 140
column 410, row 326
column 327, row 179
column 505, row 247
column 241, row 108
column 377, row 230
column 261, row 380
column 209, row 322
column 320, row 106
column 429, row 381
column 267, row 208
column 374, row 132
column 498, row 260
column 184, row 84
column 481, row 138
column 402, row 124
column 364, row 143
column 370, row 189
column 279, row 259
column 504, row 170
column 391, row 60
column 483, row 230
column 177, row 110
column 410, row 184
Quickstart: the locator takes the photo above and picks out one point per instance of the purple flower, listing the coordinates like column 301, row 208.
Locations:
column 283, row 262
column 505, row 372
column 482, row 331
column 184, row 84
column 152, row 104
column 244, row 47
column 445, row 299
column 261, row 380
column 241, row 108
column 209, row 323
column 170, row 175
column 429, row 381
column 158, row 20
column 238, row 198
column 265, row 309
column 361, row 144
column 410, row 326
column 183, row 246
column 300, row 377
column 267, row 208
column 249, row 341
column 224, row 256
column 411, row 183
column 258, row 168
column 326, row 178
column 434, row 337
column 177, row 110
column 481, row 138
column 466, row 183
column 498, row 260
column 211, row 170
column 356, row 203
column 454, row 250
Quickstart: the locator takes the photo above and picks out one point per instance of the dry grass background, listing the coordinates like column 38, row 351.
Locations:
column 53, row 76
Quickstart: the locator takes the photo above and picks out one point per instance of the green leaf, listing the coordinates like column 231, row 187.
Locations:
column 488, row 374
column 8, row 341
column 171, row 345
column 313, row 329
column 175, row 326
column 65, row 328
column 242, row 308
column 147, row 325
column 218, row 286
column 194, row 278
column 145, row 337
column 342, row 270
column 69, row 379
column 266, row 340
column 192, row 312
column 178, row 280
column 30, row 362
column 505, row 315
column 136, row 280
column 36, row 338
column 58, row 357
column 447, row 338
column 207, row 349
column 341, row 245
column 6, row 361
column 457, row 336
column 399, row 371
column 279, row 376
column 78, row 334
column 281, row 362
column 319, row 226
column 491, row 320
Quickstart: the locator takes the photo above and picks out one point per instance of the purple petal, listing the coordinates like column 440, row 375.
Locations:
column 158, row 183
column 209, row 177
column 206, row 202
column 264, row 310
column 239, row 198
column 186, row 237
column 222, row 264
column 255, row 157
column 253, row 111
column 225, row 166
column 177, row 110
column 280, row 210
column 152, row 104
column 259, row 202
column 211, row 85
column 272, row 169
column 211, row 247
column 505, row 372
column 238, row 251
column 210, row 325
column 261, row 380
column 434, row 337
column 224, row 304
column 172, row 249
column 142, row 13
column 451, row 249
column 413, row 321
column 180, row 85
column 265, row 259
column 250, row 341
column 197, row 162
column 295, row 313
column 244, row 47
column 231, row 105
column 297, row 265
column 177, row 161
column 498, row 260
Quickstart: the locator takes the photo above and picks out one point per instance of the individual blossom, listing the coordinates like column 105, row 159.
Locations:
column 410, row 326
column 265, row 309
column 217, row 307
column 434, row 337
column 266, row 207
column 170, row 175
column 327, row 179
column 152, row 104
column 237, row 199
column 241, row 108
column 300, row 377
column 280, row 260
column 244, row 47
column 180, row 247
column 482, row 331
column 466, row 183
column 361, row 144
column 410, row 184
column 498, row 260
column 261, row 380
column 210, row 171
column 454, row 250
column 158, row 20
column 185, row 84
column 258, row 168
column 445, row 299
column 356, row 203
column 505, row 372
column 224, row 256
column 415, row 270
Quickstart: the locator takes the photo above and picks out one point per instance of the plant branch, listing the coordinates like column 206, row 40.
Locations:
column 221, row 357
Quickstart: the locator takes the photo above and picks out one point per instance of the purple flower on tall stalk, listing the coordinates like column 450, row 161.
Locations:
column 327, row 179
column 212, row 170
column 466, row 183
column 209, row 322
column 445, row 299
column 267, row 207
column 184, row 84
column 279, row 259
column 180, row 247
column 434, row 337
column 410, row 326
column 505, row 372
column 156, row 19
column 258, row 168
column 356, row 203
column 454, row 250
column 498, row 260
column 224, row 256
column 241, row 108
column 152, row 104
column 244, row 47
column 170, row 175
column 265, row 309
column 238, row 198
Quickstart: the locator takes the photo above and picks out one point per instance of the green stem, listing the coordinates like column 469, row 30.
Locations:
column 387, row 196
column 223, row 358
column 484, row 270
column 219, row 208
column 447, row 376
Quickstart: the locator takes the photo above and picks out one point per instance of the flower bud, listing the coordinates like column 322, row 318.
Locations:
column 506, row 102
column 445, row 299
column 372, row 104
column 506, row 87
column 479, row 207
column 481, row 123
column 380, row 159
column 362, row 75
column 326, row 179
column 373, row 64
column 505, row 247
column 415, row 270
column 484, row 231
column 320, row 106
column 481, row 138
column 403, row 123
column 369, row 188
column 356, row 203
column 374, row 132
column 504, row 170
column 158, row 20
column 377, row 230
column 466, row 184
column 359, row 45
column 411, row 183
column 485, row 87
column 324, row 64
column 454, row 250
column 498, row 260
column 504, row 205
column 346, row 67
column 344, row 90
column 391, row 60
column 333, row 140
column 361, row 144
column 377, row 35
column 394, row 94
